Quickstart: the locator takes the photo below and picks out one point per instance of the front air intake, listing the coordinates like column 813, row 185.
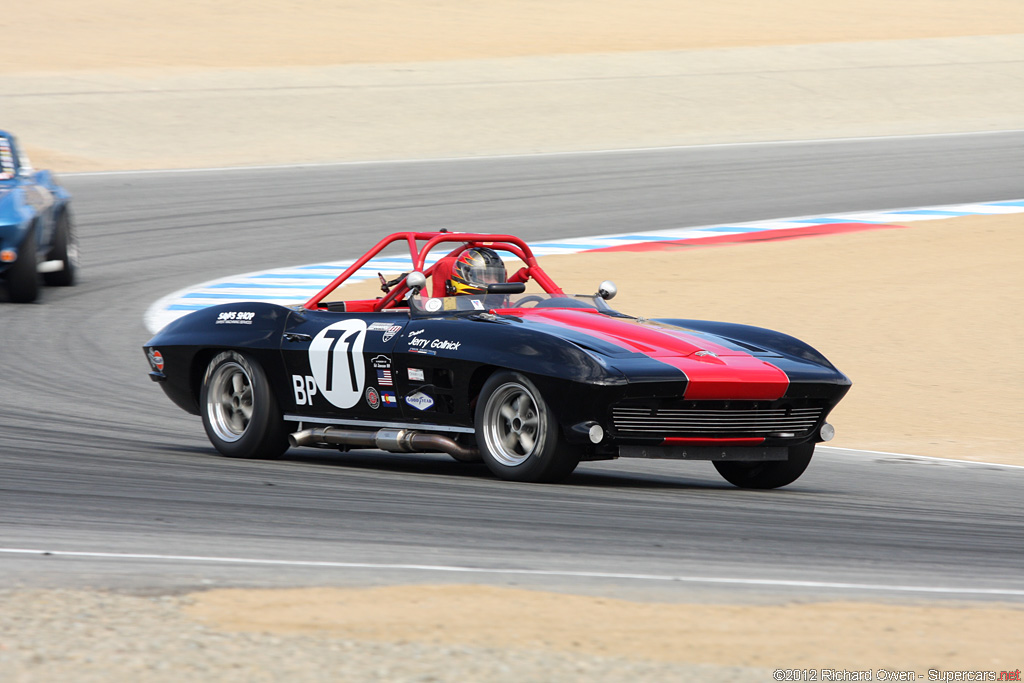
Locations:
column 714, row 422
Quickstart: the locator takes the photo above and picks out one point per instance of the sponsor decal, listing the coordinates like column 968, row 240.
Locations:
column 382, row 364
column 419, row 400
column 372, row 398
column 336, row 359
column 156, row 359
column 427, row 352
column 235, row 318
column 391, row 332
column 416, row 375
column 304, row 387
column 477, row 304
column 423, row 343
column 378, row 327
column 432, row 305
column 389, row 399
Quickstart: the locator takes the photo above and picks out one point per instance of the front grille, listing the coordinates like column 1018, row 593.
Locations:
column 712, row 422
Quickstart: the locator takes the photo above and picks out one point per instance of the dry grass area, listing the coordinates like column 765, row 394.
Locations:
column 838, row 635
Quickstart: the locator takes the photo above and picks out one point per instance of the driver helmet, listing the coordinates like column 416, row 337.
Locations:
column 474, row 269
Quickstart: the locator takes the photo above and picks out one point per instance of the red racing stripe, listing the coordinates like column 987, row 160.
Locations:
column 722, row 374
column 760, row 236
column 732, row 377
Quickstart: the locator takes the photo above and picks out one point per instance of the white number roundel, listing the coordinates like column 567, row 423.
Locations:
column 336, row 359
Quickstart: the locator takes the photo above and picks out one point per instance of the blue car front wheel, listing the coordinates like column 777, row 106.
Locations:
column 22, row 276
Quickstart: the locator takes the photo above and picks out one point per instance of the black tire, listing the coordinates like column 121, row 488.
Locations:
column 65, row 249
column 517, row 433
column 767, row 475
column 239, row 411
column 23, row 276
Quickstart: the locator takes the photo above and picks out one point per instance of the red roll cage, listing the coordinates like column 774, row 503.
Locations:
column 468, row 240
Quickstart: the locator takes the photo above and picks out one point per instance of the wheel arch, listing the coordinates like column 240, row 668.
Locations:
column 554, row 389
column 477, row 380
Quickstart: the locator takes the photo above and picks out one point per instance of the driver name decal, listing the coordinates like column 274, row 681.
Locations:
column 336, row 359
column 446, row 344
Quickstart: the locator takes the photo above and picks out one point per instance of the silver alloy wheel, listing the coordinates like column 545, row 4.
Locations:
column 513, row 427
column 229, row 400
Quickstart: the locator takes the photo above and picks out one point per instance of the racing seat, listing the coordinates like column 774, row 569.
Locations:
column 442, row 272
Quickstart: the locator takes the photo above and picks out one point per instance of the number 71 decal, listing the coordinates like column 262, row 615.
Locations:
column 336, row 359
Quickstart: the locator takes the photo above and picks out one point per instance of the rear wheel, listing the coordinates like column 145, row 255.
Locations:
column 22, row 276
column 65, row 250
column 239, row 412
column 517, row 432
column 769, row 474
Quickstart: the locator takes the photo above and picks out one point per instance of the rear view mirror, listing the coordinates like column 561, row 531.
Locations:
column 607, row 290
column 415, row 281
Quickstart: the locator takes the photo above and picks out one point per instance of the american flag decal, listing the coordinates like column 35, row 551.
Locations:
column 384, row 378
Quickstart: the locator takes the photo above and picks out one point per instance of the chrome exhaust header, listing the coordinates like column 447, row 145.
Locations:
column 391, row 440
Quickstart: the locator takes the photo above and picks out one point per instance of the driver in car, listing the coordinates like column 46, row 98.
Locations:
column 473, row 270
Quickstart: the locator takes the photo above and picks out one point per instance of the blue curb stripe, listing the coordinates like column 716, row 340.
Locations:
column 933, row 212
column 291, row 276
column 264, row 285
column 738, row 231
column 638, row 238
column 832, row 221
column 235, row 297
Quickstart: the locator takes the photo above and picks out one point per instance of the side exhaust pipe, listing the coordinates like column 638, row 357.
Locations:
column 392, row 440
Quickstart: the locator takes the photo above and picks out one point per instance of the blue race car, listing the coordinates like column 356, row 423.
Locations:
column 37, row 235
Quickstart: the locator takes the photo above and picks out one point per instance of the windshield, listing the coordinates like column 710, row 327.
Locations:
column 506, row 303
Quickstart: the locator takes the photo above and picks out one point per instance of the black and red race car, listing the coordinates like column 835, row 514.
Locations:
column 511, row 371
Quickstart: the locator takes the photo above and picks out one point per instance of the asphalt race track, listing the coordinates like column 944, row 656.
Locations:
column 95, row 460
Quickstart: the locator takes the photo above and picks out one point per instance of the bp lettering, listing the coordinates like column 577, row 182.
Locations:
column 305, row 389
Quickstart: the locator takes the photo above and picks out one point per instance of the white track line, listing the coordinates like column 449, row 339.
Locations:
column 944, row 590
column 822, row 448
column 585, row 152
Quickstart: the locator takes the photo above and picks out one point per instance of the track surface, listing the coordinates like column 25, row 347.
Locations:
column 94, row 458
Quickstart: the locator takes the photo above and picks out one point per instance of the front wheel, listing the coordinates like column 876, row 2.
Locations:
column 518, row 434
column 22, row 276
column 239, row 412
column 769, row 474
